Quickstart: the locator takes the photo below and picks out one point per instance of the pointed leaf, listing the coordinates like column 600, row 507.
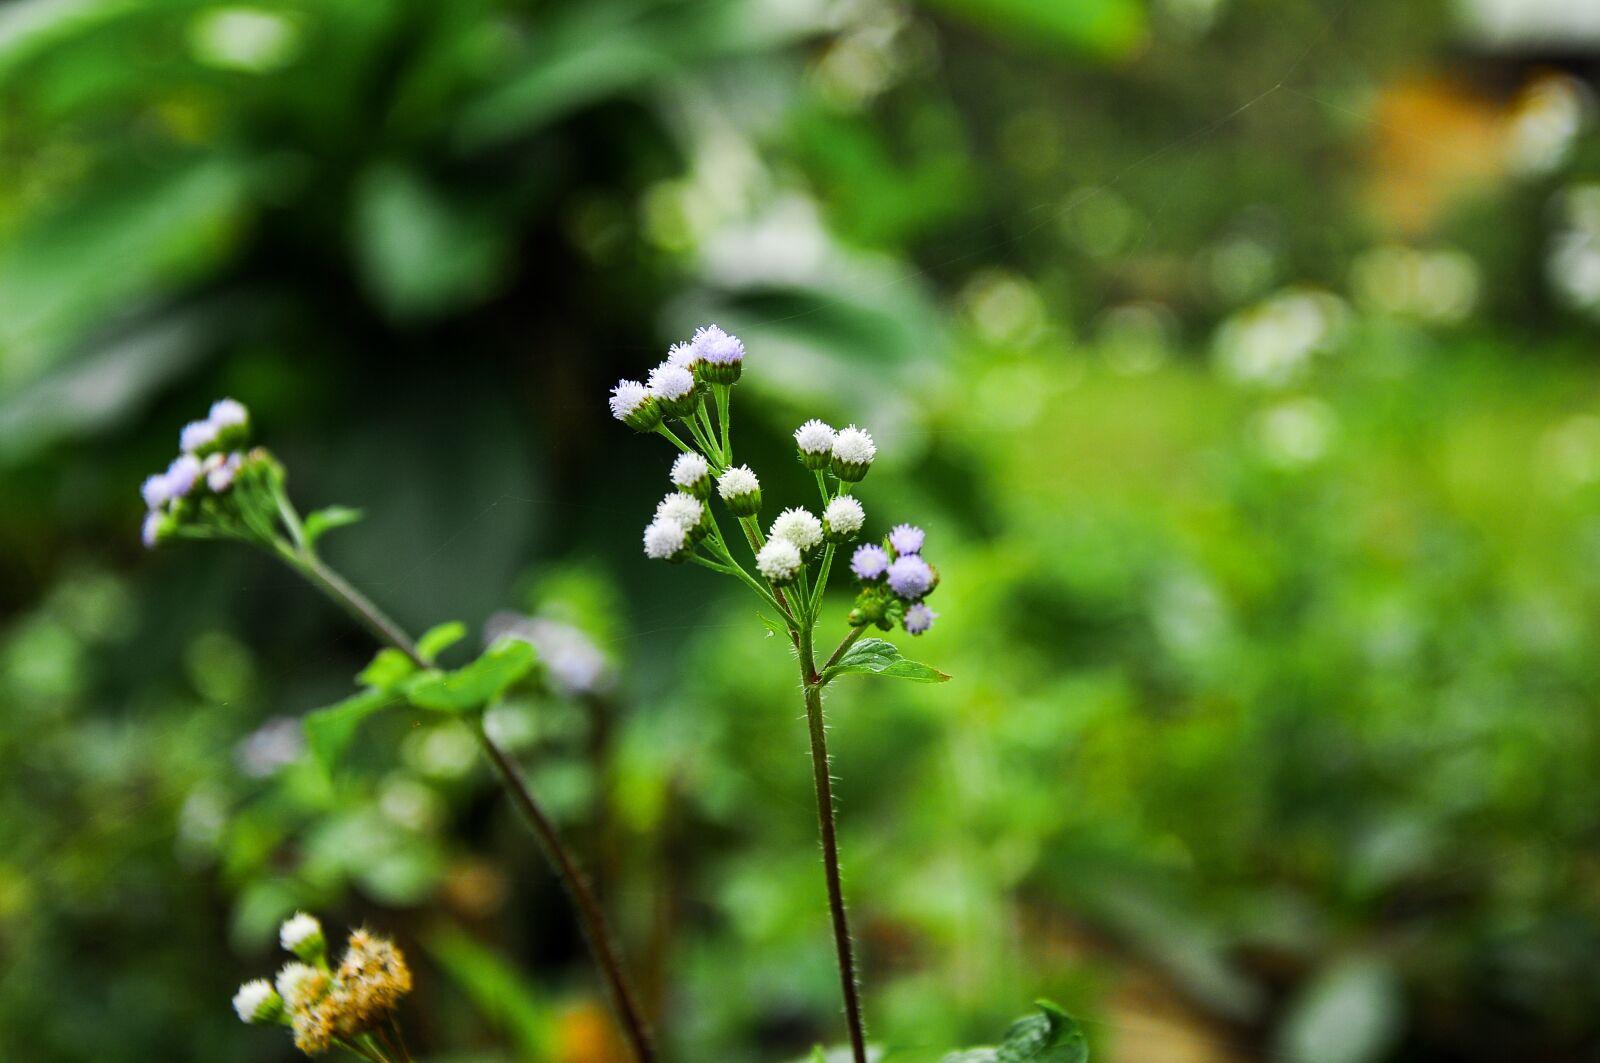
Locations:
column 1052, row 1036
column 775, row 626
column 329, row 731
column 880, row 657
column 389, row 668
column 326, row 519
column 477, row 684
column 436, row 640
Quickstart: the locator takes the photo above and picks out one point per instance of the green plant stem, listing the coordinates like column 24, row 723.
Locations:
column 721, row 392
column 822, row 579
column 572, row 878
column 827, row 825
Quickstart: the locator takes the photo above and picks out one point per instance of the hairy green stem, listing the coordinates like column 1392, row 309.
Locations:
column 590, row 915
column 827, row 825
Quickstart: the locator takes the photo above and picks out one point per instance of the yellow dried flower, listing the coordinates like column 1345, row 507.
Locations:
column 313, row 1028
column 372, row 978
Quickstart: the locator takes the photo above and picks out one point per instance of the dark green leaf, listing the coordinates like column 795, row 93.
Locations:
column 327, row 519
column 477, row 684
column 1052, row 1036
column 329, row 731
column 387, row 670
column 439, row 638
column 880, row 657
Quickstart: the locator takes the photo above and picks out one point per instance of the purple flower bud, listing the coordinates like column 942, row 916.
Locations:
column 910, row 577
column 918, row 619
column 906, row 539
column 869, row 562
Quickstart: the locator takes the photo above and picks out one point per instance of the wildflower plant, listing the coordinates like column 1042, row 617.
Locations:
column 218, row 487
column 350, row 1006
column 687, row 401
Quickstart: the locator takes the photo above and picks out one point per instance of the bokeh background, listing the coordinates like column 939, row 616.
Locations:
column 1238, row 355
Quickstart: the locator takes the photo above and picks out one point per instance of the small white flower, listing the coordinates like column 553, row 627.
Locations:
column 815, row 437
column 690, row 470
column 227, row 413
column 196, row 436
column 844, row 517
column 739, row 480
column 256, row 1001
column 627, row 397
column 854, row 447
column 219, row 477
column 778, row 561
column 664, row 540
column 155, row 491
column 798, row 526
column 684, row 355
column 681, row 509
column 301, row 930
column 670, row 382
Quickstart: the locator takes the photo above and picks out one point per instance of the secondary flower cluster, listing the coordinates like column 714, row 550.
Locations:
column 895, row 580
column 193, row 494
column 351, row 1005
column 690, row 391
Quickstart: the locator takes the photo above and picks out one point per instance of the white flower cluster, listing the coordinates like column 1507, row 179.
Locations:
column 210, row 455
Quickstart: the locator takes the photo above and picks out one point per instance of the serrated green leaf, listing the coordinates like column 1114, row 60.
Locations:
column 475, row 685
column 439, row 638
column 881, row 657
column 389, row 668
column 329, row 731
column 322, row 521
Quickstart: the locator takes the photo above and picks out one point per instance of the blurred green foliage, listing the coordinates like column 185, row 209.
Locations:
column 1270, row 608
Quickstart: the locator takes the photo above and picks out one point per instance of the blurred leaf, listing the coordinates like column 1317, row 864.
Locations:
column 329, row 731
column 326, row 519
column 498, row 991
column 881, row 657
column 149, row 230
column 389, row 668
column 1350, row 1012
column 476, row 684
column 439, row 638
column 1052, row 1036
column 421, row 252
column 1105, row 28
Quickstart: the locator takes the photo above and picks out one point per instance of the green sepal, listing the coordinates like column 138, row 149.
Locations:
column 881, row 657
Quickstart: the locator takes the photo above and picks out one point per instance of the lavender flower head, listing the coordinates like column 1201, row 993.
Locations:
column 182, row 474
column 626, row 398
column 918, row 619
column 150, row 532
column 670, row 382
column 574, row 664
column 155, row 491
column 220, row 471
column 870, row 561
column 910, row 577
column 906, row 539
column 197, row 436
column 228, row 413
column 683, row 355
column 717, row 347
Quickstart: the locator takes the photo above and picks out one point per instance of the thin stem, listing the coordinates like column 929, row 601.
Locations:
column 577, row 887
column 822, row 486
column 822, row 578
column 826, row 822
column 721, row 392
column 699, row 434
column 703, row 412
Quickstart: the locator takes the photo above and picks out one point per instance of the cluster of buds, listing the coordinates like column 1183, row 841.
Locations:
column 214, row 488
column 350, row 1006
column 691, row 389
column 895, row 581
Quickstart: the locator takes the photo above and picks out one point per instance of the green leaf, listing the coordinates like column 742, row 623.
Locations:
column 329, row 731
column 477, row 684
column 1052, row 1036
column 1100, row 28
column 389, row 668
column 775, row 626
column 880, row 657
column 436, row 640
column 327, row 519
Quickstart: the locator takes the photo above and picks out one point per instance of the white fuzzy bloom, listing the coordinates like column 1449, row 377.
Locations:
column 683, row 355
column 299, row 984
column 228, row 413
column 155, row 491
column 297, row 930
column 689, row 469
column 254, row 1000
column 798, row 526
column 779, row 560
column 219, row 476
column 197, row 435
column 844, row 516
column 668, row 381
column 664, row 539
column 854, row 447
column 681, row 509
column 739, row 480
column 815, row 437
column 626, row 397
